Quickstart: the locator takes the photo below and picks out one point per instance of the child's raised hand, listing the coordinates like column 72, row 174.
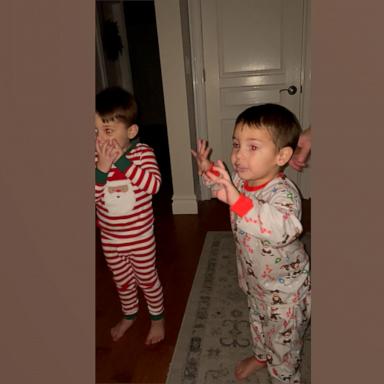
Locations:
column 201, row 156
column 228, row 193
column 106, row 155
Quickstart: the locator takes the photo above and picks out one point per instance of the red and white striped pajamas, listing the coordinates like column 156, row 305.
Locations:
column 125, row 218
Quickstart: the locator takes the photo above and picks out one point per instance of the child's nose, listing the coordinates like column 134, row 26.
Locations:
column 238, row 153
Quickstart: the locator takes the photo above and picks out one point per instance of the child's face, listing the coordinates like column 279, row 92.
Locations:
column 255, row 156
column 115, row 129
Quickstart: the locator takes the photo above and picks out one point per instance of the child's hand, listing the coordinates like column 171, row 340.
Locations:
column 201, row 156
column 228, row 193
column 106, row 155
column 118, row 150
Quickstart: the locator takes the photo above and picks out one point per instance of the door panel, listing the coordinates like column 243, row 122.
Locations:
column 252, row 49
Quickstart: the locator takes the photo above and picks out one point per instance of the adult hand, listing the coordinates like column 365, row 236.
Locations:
column 300, row 156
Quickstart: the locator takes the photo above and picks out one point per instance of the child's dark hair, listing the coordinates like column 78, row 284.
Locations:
column 116, row 103
column 281, row 123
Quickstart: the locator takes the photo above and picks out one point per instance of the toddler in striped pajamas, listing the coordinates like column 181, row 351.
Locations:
column 127, row 175
column 272, row 265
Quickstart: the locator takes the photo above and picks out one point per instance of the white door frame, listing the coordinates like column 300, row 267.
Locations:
column 303, row 178
column 169, row 32
column 197, row 64
column 198, row 75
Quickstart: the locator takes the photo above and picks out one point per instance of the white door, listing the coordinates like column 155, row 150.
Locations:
column 252, row 50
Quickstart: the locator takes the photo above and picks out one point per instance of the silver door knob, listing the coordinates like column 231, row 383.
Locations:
column 291, row 90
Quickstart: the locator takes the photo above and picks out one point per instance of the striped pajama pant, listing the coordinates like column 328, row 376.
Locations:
column 133, row 264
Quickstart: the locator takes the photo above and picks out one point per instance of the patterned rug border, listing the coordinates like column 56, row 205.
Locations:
column 185, row 344
column 190, row 363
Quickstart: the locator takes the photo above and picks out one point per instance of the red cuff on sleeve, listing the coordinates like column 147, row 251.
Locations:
column 210, row 169
column 242, row 205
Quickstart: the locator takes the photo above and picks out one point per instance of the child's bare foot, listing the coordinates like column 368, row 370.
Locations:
column 247, row 366
column 156, row 332
column 120, row 328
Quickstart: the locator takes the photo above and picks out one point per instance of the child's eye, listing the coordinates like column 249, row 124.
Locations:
column 235, row 145
column 254, row 147
column 108, row 131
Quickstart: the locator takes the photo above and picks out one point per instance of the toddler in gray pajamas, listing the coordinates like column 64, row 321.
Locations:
column 273, row 267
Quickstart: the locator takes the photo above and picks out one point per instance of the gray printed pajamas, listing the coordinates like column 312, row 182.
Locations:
column 273, row 270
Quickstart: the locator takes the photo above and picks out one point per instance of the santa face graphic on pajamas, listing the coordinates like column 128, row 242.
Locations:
column 119, row 197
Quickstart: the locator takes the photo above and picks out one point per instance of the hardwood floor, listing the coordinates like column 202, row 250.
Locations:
column 180, row 240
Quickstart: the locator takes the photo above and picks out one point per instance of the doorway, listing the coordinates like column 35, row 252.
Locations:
column 128, row 56
column 247, row 53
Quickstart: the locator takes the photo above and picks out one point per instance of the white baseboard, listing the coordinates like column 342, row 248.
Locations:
column 184, row 205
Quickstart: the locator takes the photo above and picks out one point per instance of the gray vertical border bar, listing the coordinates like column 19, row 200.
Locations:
column 47, row 236
column 347, row 172
column 47, row 83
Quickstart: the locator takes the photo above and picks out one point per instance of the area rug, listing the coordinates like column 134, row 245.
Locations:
column 214, row 334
